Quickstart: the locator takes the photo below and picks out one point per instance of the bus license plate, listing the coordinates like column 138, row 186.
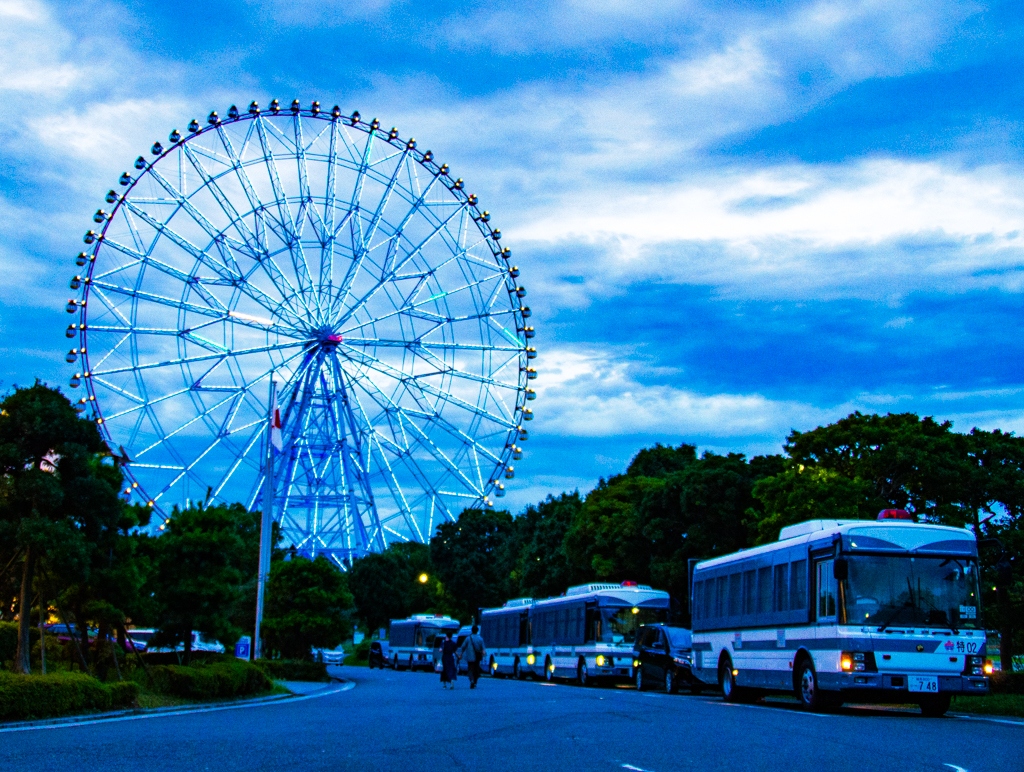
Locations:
column 920, row 683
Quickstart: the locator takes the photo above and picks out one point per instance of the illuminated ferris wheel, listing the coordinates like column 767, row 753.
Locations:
column 324, row 253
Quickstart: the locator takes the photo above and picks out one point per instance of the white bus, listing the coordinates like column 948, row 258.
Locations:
column 589, row 632
column 844, row 610
column 506, row 633
column 411, row 641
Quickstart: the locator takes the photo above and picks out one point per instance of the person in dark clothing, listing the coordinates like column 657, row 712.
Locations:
column 449, row 670
column 473, row 650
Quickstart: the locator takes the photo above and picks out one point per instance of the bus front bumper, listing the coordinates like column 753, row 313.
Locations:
column 896, row 684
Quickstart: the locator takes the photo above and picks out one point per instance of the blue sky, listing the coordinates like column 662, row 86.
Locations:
column 734, row 219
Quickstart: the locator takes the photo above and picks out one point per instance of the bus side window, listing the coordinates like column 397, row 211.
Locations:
column 749, row 592
column 826, row 589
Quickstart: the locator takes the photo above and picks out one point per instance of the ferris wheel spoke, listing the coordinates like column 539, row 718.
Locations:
column 392, row 273
column 235, row 220
column 401, row 453
column 427, row 389
column 220, row 357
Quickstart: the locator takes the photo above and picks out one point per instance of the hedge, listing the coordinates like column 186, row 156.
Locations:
column 293, row 669
column 217, row 680
column 60, row 694
column 1006, row 682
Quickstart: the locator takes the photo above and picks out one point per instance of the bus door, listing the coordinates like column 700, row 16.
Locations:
column 826, row 597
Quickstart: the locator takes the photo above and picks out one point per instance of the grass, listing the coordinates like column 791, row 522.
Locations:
column 991, row 704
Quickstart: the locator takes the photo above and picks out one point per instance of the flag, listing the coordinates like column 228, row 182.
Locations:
column 275, row 426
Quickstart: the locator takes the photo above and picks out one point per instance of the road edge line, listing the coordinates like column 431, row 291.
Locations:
column 142, row 713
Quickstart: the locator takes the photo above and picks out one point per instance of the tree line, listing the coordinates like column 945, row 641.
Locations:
column 74, row 551
column 673, row 505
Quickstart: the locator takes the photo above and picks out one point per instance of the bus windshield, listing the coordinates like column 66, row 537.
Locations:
column 619, row 623
column 912, row 591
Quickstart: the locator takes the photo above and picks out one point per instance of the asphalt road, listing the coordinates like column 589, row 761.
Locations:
column 405, row 721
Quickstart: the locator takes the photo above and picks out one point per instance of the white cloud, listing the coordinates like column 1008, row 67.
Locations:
column 878, row 227
column 589, row 394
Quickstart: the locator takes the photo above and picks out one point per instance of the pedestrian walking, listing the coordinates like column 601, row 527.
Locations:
column 473, row 650
column 449, row 670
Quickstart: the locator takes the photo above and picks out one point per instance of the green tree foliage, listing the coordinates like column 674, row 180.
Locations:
column 541, row 565
column 58, row 492
column 386, row 585
column 201, row 563
column 308, row 605
column 472, row 559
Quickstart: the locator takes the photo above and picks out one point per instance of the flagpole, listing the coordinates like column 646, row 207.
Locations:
column 266, row 520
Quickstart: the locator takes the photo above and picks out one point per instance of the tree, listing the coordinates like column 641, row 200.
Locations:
column 472, row 560
column 809, row 493
column 541, row 565
column 308, row 606
column 57, row 489
column 201, row 565
column 387, row 585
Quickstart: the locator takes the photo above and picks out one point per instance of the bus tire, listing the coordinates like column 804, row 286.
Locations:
column 583, row 674
column 517, row 670
column 934, row 705
column 727, row 681
column 549, row 673
column 807, row 692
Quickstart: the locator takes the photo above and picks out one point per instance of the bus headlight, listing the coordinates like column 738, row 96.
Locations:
column 600, row 660
column 852, row 661
column 530, row 659
column 988, row 667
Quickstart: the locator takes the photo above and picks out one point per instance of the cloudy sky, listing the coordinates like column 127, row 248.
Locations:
column 734, row 219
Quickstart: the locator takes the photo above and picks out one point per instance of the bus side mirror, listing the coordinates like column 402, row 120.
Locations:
column 840, row 569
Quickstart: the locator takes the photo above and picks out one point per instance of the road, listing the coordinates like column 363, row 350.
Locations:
column 405, row 721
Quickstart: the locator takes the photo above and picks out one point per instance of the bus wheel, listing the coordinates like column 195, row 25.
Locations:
column 549, row 671
column 582, row 674
column 807, row 691
column 641, row 684
column 935, row 705
column 517, row 671
column 726, row 680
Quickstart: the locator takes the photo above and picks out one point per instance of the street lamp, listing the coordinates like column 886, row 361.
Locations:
column 423, row 578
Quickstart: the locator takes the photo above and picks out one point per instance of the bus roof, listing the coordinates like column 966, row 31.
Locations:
column 629, row 594
column 886, row 535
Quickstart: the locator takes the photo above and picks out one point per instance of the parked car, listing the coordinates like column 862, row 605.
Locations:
column 335, row 656
column 64, row 632
column 379, row 655
column 663, row 656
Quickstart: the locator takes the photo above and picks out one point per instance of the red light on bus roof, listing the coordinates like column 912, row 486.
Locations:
column 896, row 514
column 629, row 584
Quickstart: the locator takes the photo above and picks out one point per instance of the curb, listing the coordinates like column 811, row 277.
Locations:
column 140, row 713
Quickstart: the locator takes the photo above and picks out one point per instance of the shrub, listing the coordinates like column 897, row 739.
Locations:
column 293, row 669
column 123, row 694
column 1007, row 682
column 217, row 680
column 9, row 640
column 39, row 696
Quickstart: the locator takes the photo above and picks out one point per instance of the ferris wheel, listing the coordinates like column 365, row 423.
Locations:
column 325, row 254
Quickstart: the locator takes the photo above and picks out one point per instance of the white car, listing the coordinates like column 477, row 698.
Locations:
column 335, row 656
column 200, row 642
